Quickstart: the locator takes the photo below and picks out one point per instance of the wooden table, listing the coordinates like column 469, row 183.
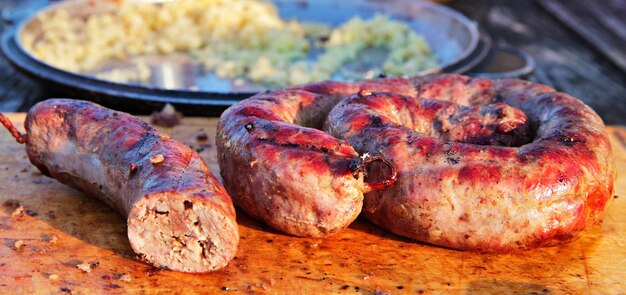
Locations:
column 62, row 228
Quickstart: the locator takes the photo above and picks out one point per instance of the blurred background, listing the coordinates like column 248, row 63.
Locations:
column 577, row 47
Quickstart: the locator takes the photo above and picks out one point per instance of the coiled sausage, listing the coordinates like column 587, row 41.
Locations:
column 487, row 165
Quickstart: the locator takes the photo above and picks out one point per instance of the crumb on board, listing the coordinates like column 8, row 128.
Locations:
column 51, row 239
column 18, row 244
column 122, row 277
column 53, row 277
column 18, row 212
column 54, row 239
column 85, row 267
column 125, row 278
column 202, row 136
column 167, row 117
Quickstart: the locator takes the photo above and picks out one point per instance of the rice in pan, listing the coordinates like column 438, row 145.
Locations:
column 242, row 40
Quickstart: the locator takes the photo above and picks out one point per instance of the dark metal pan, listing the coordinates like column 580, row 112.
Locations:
column 453, row 38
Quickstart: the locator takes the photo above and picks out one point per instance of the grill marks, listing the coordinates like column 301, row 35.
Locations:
column 295, row 137
column 492, row 124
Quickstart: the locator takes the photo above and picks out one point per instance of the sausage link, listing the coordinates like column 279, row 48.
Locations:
column 179, row 216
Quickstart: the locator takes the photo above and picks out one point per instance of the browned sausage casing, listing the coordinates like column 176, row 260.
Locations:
column 280, row 169
column 488, row 165
column 179, row 216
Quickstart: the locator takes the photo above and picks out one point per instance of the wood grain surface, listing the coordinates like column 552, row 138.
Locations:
column 61, row 229
column 601, row 23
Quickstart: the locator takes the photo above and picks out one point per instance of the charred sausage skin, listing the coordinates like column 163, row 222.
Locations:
column 179, row 216
column 279, row 167
column 458, row 190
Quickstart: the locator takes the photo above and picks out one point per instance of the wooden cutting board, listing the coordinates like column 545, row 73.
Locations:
column 62, row 229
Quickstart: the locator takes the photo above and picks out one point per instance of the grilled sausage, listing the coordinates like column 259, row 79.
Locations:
column 282, row 170
column 487, row 165
column 179, row 216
